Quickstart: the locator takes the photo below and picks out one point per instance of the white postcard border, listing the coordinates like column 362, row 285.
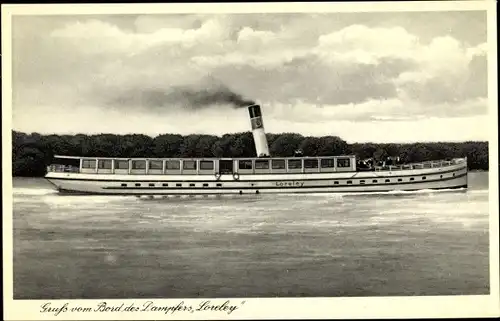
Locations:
column 254, row 308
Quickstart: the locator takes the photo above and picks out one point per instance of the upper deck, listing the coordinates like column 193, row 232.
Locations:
column 202, row 166
column 213, row 166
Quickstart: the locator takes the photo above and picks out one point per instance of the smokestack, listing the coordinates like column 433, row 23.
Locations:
column 259, row 135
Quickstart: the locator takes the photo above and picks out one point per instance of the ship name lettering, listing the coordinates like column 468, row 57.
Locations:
column 290, row 183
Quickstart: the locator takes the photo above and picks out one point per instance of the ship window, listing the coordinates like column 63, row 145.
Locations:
column 343, row 162
column 178, row 184
column 336, row 183
column 441, row 176
column 137, row 184
column 189, row 165
column 218, row 184
column 310, row 163
column 278, row 163
column 88, row 163
column 165, row 184
column 362, row 182
column 121, row 164
column 349, row 182
column 400, row 179
column 374, row 181
column 124, row 185
column 294, row 164
column 173, row 164
column 328, row 163
column 423, row 177
column 155, row 164
column 104, row 164
column 205, row 184
column 453, row 174
column 387, row 180
column 245, row 164
column 412, row 179
column 151, row 184
column 262, row 164
column 138, row 164
column 207, row 165
column 191, row 185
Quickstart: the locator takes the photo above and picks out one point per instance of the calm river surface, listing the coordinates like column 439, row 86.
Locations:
column 424, row 243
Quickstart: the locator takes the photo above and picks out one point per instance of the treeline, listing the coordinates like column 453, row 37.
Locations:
column 31, row 153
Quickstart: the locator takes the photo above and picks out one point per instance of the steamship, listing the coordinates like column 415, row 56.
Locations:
column 261, row 174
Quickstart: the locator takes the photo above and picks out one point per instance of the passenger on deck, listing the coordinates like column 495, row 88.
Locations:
column 298, row 153
column 364, row 165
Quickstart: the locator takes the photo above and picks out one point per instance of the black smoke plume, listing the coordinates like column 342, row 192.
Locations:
column 207, row 93
column 204, row 97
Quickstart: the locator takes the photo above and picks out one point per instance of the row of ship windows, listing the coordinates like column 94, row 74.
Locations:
column 388, row 180
column 209, row 164
column 166, row 184
column 220, row 184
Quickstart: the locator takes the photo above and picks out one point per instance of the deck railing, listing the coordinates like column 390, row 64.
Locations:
column 430, row 164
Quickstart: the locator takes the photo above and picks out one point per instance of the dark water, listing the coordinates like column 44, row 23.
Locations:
column 425, row 243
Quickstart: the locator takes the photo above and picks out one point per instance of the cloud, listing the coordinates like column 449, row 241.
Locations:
column 302, row 68
column 254, row 39
column 367, row 45
column 447, row 73
column 393, row 109
column 99, row 36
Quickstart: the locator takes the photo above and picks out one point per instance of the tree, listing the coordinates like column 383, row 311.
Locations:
column 167, row 145
column 286, row 144
column 364, row 151
column 221, row 148
column 108, row 145
column 204, row 146
column 332, row 145
column 188, row 147
column 137, row 145
column 29, row 162
column 310, row 146
column 243, row 145
column 31, row 153
column 380, row 154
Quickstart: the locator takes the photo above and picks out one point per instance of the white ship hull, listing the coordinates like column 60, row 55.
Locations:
column 250, row 175
column 447, row 177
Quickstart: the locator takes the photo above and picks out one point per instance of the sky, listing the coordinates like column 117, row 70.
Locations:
column 365, row 77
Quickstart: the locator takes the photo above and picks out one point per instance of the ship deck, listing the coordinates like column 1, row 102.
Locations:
column 221, row 166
